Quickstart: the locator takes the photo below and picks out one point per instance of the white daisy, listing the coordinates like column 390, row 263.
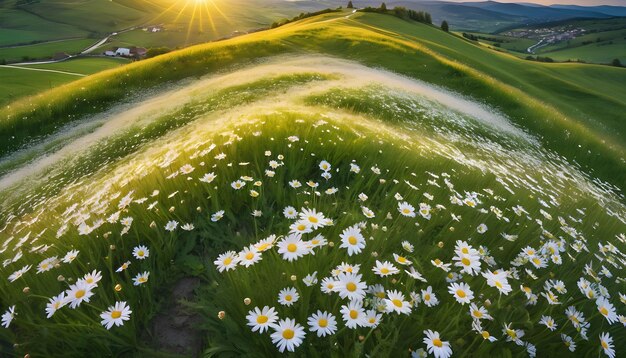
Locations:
column 262, row 319
column 461, row 292
column 287, row 335
column 141, row 278
column 406, row 209
column 429, row 298
column 115, row 315
column 292, row 247
column 606, row 342
column 350, row 286
column 353, row 314
column 55, row 303
column 290, row 212
column 78, row 293
column 226, row 261
column 314, row 219
column 8, row 316
column 396, row 303
column 249, row 256
column 323, row 323
column 386, row 268
column 217, row 216
column 288, row 296
column 435, row 346
column 606, row 309
column 70, row 256
column 548, row 321
column 352, row 240
column 141, row 252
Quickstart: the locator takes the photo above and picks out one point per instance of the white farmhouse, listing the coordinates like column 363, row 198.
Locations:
column 122, row 51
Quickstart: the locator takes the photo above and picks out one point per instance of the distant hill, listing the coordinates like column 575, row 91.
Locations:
column 604, row 9
column 490, row 16
column 537, row 13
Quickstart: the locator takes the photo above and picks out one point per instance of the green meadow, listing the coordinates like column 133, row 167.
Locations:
column 347, row 185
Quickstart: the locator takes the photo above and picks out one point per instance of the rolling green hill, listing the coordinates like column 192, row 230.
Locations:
column 172, row 187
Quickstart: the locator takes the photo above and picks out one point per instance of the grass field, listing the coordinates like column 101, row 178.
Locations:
column 16, row 83
column 20, row 28
column 434, row 184
column 43, row 51
column 505, row 42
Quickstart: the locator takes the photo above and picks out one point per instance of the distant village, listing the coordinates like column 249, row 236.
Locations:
column 548, row 35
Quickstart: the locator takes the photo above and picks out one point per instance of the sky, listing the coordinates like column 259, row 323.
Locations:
column 563, row 2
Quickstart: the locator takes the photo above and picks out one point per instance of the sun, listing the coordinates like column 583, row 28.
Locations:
column 198, row 15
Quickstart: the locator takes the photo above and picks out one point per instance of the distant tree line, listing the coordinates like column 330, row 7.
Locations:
column 539, row 59
column 476, row 38
column 401, row 12
column 303, row 15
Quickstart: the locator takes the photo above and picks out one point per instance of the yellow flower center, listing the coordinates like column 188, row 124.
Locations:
column 427, row 297
column 352, row 240
column 301, row 227
column 478, row 314
column 323, row 323
column 465, row 261
column 227, row 261
column 288, row 333
column 604, row 311
column 511, row 333
column 79, row 293
column 249, row 255
column 604, row 344
column 437, row 262
column 498, row 284
column 397, row 302
column 116, row 314
column 292, row 247
column 288, row 298
column 380, row 294
column 351, row 286
column 401, row 259
column 262, row 247
column 485, row 335
column 465, row 250
column 140, row 253
column 406, row 211
column 460, row 293
column 354, row 314
column 437, row 342
column 261, row 319
column 313, row 219
column 384, row 270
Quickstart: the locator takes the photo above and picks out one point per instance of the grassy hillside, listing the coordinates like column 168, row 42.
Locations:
column 560, row 102
column 346, row 148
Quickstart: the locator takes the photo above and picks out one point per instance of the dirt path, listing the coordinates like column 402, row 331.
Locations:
column 44, row 70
